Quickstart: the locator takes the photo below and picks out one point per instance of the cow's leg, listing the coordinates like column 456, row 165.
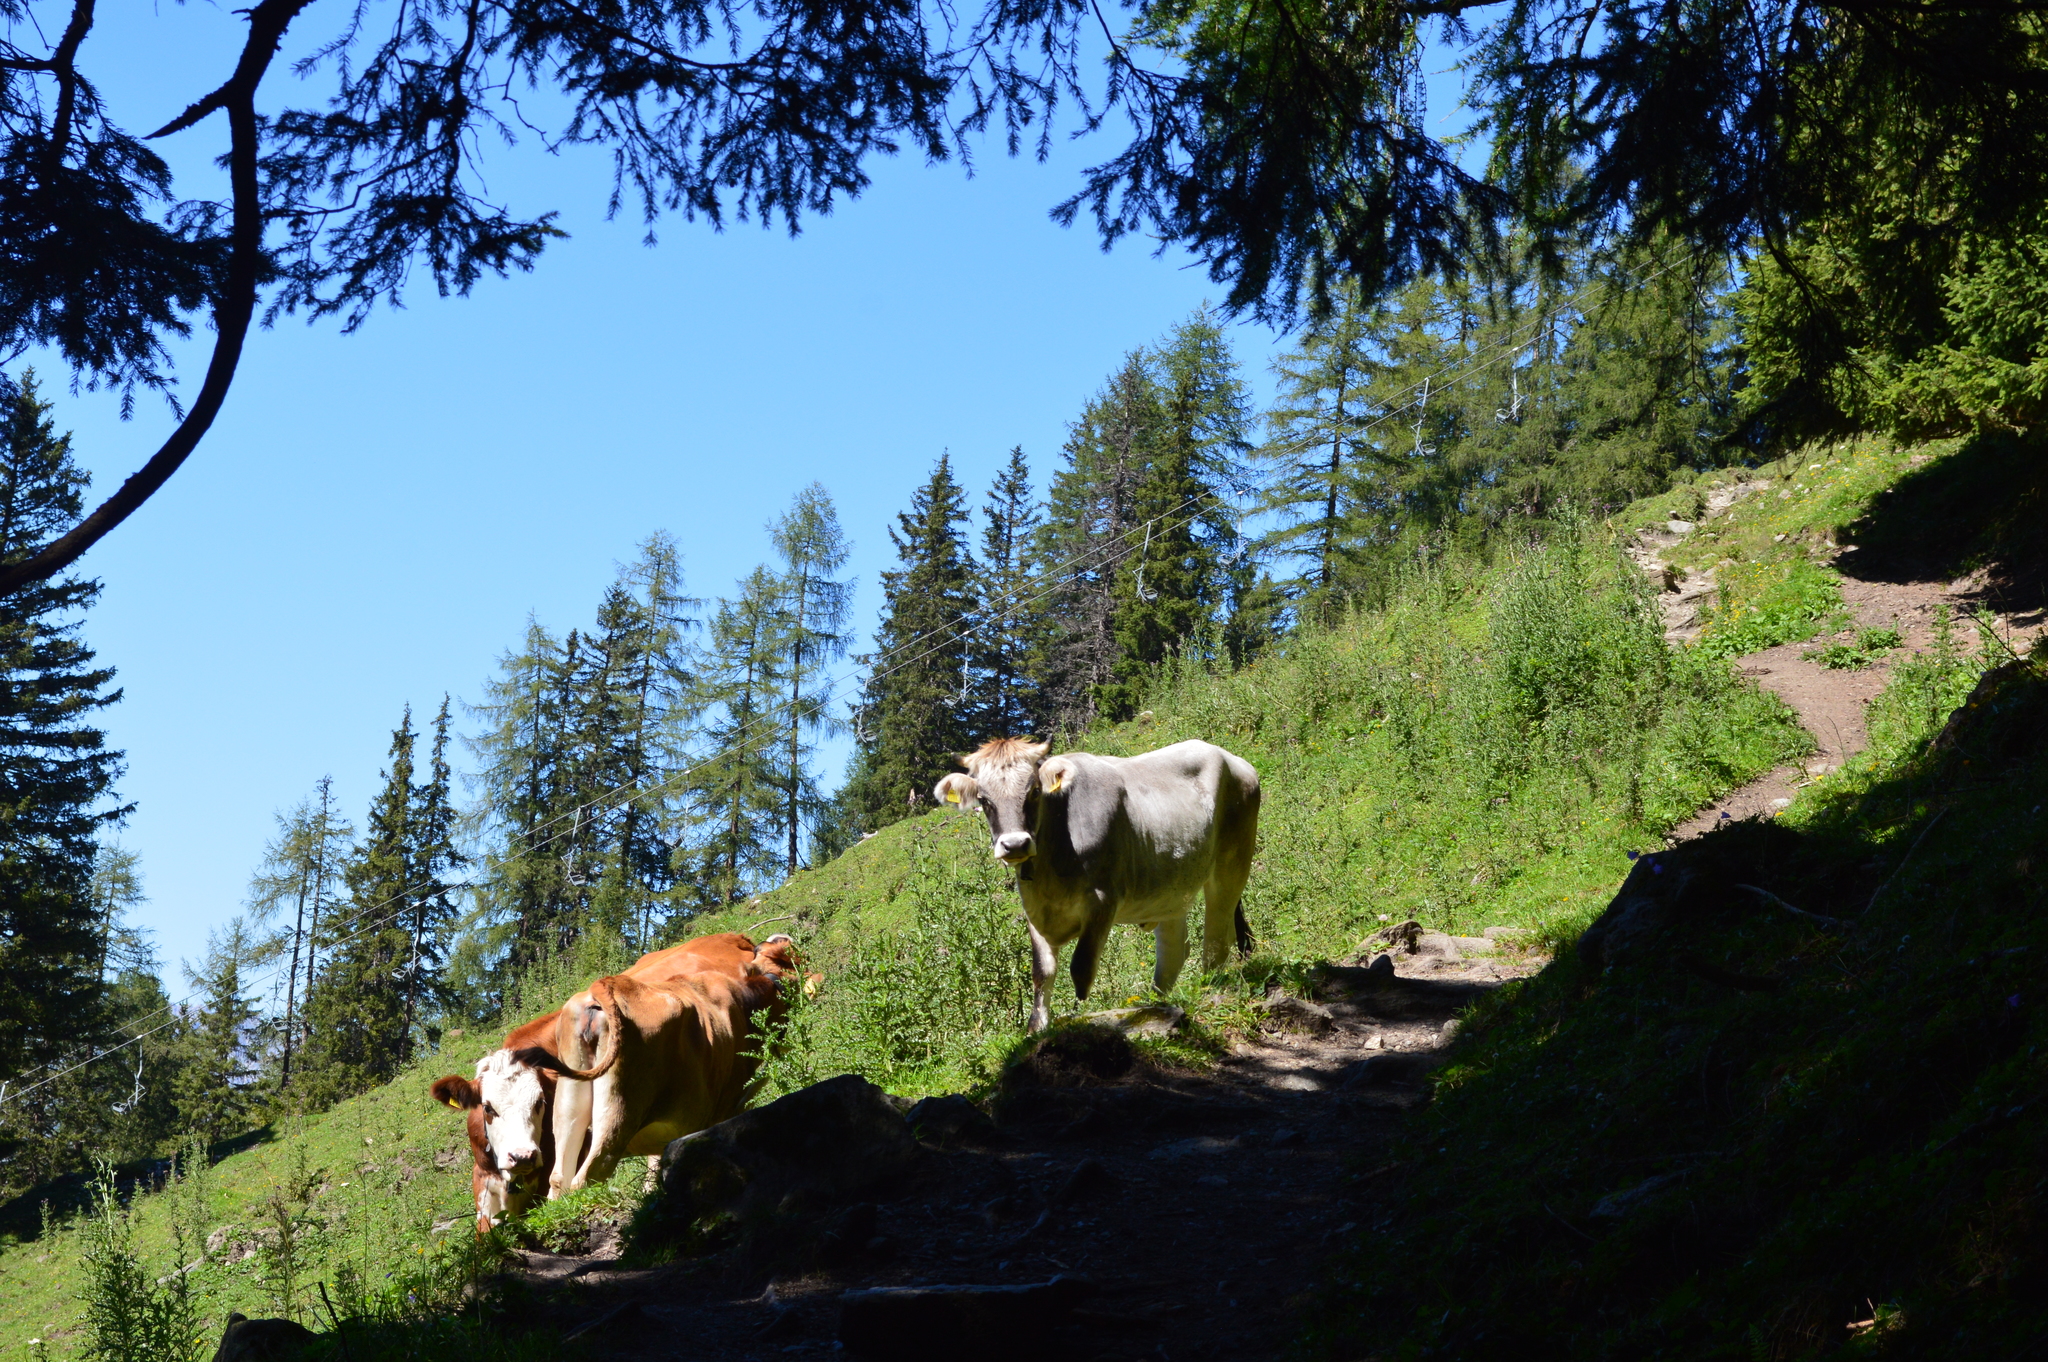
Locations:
column 1094, row 935
column 1169, row 951
column 1043, row 964
column 572, row 1121
column 1222, row 918
column 610, row 1132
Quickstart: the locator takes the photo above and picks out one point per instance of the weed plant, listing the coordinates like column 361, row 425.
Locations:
column 1766, row 604
column 1869, row 646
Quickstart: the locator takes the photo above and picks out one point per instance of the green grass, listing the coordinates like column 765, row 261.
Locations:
column 1482, row 750
column 1764, row 1137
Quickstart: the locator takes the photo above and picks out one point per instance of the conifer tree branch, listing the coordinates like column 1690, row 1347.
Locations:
column 233, row 309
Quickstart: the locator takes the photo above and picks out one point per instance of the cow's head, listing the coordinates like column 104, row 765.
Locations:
column 1006, row 780
column 512, row 1100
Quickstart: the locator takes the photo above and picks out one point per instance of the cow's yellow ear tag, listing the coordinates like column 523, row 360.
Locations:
column 1053, row 781
column 952, row 795
column 455, row 1104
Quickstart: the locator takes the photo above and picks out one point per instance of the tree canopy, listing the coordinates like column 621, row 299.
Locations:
column 1284, row 143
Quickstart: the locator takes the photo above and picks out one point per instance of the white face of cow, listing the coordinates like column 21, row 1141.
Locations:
column 1004, row 785
column 514, row 1106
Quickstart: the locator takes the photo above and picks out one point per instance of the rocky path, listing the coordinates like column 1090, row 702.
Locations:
column 1186, row 1215
column 1830, row 702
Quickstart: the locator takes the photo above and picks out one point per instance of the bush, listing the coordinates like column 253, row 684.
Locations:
column 1768, row 604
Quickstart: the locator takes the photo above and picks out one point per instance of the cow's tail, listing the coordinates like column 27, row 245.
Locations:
column 1245, row 941
column 602, row 994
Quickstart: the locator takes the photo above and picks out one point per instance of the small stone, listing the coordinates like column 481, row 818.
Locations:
column 1374, row 1043
column 1437, row 944
column 1781, row 803
column 1296, row 1083
column 1450, row 1030
column 1680, row 526
column 1284, row 1138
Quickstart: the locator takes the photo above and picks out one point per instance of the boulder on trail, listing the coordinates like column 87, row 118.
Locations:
column 951, row 1120
column 261, row 1340
column 946, row 1322
column 818, row 1144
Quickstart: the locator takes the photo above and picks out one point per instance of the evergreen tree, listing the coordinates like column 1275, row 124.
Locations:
column 432, row 858
column 736, row 790
column 522, row 782
column 1091, row 515
column 812, row 604
column 56, row 772
column 1183, row 574
column 295, row 879
column 1316, row 446
column 648, row 637
column 357, row 1007
column 1009, row 635
column 217, row 1080
column 920, row 703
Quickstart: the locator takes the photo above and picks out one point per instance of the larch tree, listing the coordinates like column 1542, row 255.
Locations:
column 920, row 698
column 812, row 603
column 1314, row 447
column 300, row 868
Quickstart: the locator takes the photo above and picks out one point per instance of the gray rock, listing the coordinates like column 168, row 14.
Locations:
column 1402, row 937
column 1475, row 945
column 1436, row 944
column 261, row 1340
column 819, row 1143
column 915, row 1323
column 1285, row 1012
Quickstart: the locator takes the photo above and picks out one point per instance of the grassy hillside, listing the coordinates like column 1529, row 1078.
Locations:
column 1761, row 1133
column 1484, row 747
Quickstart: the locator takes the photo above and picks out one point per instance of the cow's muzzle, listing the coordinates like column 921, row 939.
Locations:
column 1014, row 848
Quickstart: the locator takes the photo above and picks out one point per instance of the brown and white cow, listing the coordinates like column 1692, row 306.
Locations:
column 1102, row 840
column 510, row 1103
column 649, row 1061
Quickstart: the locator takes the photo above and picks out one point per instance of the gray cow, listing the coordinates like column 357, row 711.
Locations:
column 1102, row 840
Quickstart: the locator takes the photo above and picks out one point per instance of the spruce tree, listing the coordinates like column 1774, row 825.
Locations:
column 1091, row 515
column 812, row 603
column 920, row 701
column 217, row 1080
column 736, row 790
column 1009, row 634
column 357, row 1008
column 522, row 779
column 1182, row 572
column 56, row 773
column 432, row 862
column 54, row 770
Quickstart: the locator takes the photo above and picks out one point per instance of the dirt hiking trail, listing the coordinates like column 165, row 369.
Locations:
column 1197, row 1210
column 1830, row 702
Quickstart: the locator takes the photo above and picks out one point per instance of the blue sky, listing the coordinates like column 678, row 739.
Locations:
column 374, row 516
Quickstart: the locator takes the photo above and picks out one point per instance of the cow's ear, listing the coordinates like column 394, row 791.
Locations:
column 1056, row 774
column 455, row 1090
column 958, row 789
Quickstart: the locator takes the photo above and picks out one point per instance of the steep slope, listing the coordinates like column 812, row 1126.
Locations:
column 1785, row 1099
